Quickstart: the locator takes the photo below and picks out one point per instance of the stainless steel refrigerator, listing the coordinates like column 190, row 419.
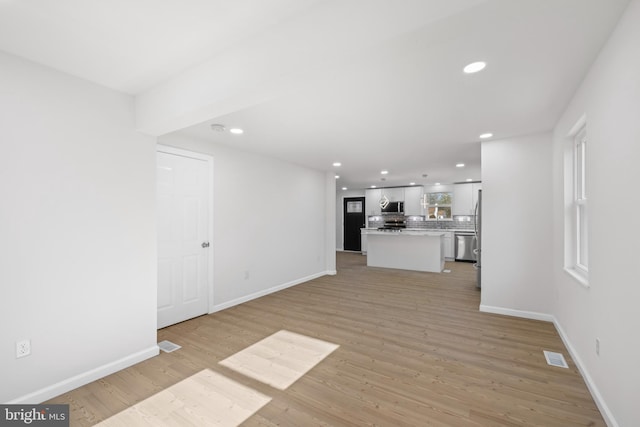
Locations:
column 478, row 233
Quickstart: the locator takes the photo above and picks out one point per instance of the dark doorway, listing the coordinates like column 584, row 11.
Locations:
column 353, row 221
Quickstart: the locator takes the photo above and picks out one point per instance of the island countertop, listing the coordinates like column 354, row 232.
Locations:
column 418, row 250
column 411, row 232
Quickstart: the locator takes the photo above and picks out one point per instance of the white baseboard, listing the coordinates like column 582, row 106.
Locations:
column 595, row 393
column 236, row 301
column 517, row 313
column 86, row 377
column 593, row 389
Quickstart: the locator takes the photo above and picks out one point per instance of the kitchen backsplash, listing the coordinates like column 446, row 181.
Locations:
column 375, row 221
column 460, row 222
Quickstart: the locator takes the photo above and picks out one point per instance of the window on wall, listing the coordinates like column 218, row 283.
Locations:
column 439, row 205
column 577, row 218
column 580, row 202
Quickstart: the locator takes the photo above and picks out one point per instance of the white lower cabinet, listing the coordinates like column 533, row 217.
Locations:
column 448, row 245
column 447, row 240
column 363, row 241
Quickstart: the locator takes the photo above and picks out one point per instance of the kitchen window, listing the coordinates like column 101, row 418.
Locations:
column 577, row 218
column 439, row 205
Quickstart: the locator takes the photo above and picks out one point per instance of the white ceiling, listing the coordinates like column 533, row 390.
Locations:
column 374, row 84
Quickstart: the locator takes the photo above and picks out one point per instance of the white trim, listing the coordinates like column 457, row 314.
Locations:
column 210, row 166
column 580, row 278
column 516, row 313
column 606, row 413
column 576, row 215
column 577, row 127
column 264, row 292
column 84, row 378
column 595, row 393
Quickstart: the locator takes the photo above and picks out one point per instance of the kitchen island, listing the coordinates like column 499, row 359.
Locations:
column 418, row 250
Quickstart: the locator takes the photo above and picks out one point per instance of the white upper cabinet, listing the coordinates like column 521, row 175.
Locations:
column 394, row 194
column 474, row 193
column 373, row 196
column 412, row 196
column 372, row 201
column 465, row 197
column 462, row 199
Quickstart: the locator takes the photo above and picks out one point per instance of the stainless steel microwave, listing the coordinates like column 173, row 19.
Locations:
column 394, row 208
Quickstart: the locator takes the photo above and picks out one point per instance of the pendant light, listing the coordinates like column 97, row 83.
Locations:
column 384, row 202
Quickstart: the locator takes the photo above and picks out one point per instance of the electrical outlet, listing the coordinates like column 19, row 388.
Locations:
column 598, row 346
column 23, row 348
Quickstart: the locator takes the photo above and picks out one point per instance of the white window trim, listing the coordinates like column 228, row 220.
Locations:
column 579, row 277
column 450, row 206
column 572, row 238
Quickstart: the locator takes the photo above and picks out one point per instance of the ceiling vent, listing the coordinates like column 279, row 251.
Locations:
column 217, row 127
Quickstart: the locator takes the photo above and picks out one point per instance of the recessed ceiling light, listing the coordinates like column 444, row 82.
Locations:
column 384, row 172
column 412, row 183
column 460, row 165
column 344, row 188
column 337, row 176
column 474, row 67
column 437, row 183
column 486, row 135
column 236, row 131
column 373, row 186
column 469, row 179
column 337, row 164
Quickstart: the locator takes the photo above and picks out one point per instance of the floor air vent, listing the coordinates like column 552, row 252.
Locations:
column 555, row 359
column 168, row 346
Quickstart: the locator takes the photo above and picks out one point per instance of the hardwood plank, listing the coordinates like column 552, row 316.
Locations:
column 280, row 359
column 414, row 350
column 203, row 399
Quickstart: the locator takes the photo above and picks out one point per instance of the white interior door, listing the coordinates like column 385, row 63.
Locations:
column 183, row 245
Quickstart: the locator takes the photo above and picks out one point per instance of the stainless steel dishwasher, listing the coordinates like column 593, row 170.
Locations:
column 465, row 243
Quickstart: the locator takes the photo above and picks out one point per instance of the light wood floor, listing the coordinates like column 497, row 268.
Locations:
column 414, row 351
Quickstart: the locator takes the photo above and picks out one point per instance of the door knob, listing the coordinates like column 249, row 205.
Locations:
column 205, row 244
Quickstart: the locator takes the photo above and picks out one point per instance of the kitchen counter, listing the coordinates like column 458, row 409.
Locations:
column 417, row 249
column 407, row 231
column 431, row 230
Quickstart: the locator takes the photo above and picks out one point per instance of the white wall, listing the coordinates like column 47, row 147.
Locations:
column 269, row 222
column 77, row 227
column 608, row 309
column 517, row 226
column 339, row 214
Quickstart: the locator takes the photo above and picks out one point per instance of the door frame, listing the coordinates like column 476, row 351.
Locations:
column 209, row 160
column 344, row 218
